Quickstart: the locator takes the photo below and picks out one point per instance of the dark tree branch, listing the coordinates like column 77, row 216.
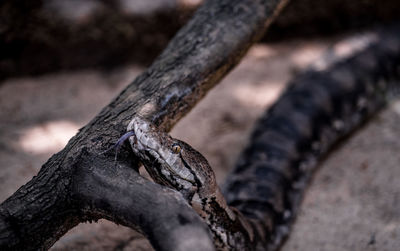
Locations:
column 121, row 195
column 80, row 184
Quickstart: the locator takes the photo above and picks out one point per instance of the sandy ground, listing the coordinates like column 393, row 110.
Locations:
column 353, row 202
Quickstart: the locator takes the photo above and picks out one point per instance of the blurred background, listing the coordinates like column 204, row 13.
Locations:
column 61, row 61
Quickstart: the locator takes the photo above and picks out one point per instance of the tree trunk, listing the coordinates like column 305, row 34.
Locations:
column 81, row 184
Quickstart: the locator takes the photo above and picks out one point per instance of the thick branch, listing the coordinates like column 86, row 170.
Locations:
column 79, row 183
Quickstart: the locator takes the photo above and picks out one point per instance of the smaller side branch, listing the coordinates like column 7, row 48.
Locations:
column 127, row 198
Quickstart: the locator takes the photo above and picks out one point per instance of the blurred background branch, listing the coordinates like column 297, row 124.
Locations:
column 52, row 35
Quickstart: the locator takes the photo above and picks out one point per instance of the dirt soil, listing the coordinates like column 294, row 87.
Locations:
column 353, row 202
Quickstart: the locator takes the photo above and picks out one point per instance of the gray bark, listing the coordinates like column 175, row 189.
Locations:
column 80, row 184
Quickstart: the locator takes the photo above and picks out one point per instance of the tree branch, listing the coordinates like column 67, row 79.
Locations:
column 79, row 184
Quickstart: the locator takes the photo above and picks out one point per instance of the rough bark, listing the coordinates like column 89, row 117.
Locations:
column 81, row 184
